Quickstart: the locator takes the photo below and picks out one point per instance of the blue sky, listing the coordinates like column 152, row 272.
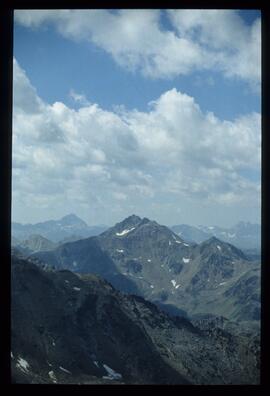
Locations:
column 132, row 69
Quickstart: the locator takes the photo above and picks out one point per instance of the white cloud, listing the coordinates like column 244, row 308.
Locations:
column 98, row 159
column 217, row 40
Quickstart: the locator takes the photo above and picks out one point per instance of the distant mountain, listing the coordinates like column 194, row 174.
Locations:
column 185, row 278
column 77, row 329
column 191, row 233
column 244, row 235
column 36, row 243
column 70, row 226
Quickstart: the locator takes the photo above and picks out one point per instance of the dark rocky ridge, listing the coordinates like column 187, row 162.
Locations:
column 71, row 329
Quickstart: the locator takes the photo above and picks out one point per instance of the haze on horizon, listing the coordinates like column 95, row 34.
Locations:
column 146, row 112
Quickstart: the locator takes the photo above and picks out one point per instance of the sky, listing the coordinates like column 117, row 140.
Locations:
column 148, row 112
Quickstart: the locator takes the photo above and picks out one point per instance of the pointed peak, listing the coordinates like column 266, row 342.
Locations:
column 71, row 219
column 212, row 241
column 131, row 220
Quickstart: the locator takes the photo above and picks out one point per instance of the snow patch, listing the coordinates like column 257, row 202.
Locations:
column 66, row 281
column 111, row 373
column 74, row 264
column 186, row 260
column 211, row 228
column 231, row 235
column 186, row 244
column 222, row 283
column 219, row 248
column 120, row 250
column 52, row 376
column 65, row 370
column 96, row 363
column 11, row 354
column 124, row 232
column 22, row 364
column 152, row 286
column 180, row 242
column 170, row 243
column 149, row 260
column 174, row 284
column 76, row 288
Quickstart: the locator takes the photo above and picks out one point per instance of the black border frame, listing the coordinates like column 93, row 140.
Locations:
column 6, row 76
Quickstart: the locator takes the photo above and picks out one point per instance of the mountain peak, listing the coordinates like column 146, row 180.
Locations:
column 213, row 239
column 71, row 219
column 132, row 220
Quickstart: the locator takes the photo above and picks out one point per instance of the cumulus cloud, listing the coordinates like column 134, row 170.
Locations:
column 217, row 40
column 97, row 159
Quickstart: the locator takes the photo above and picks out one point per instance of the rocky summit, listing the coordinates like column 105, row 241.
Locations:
column 72, row 328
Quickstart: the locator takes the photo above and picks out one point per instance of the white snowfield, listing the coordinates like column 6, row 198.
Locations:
column 186, row 260
column 222, row 283
column 22, row 364
column 120, row 250
column 111, row 373
column 76, row 288
column 186, row 244
column 180, row 242
column 124, row 232
column 219, row 248
column 149, row 260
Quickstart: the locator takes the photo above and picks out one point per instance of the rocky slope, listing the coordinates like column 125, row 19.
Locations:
column 69, row 328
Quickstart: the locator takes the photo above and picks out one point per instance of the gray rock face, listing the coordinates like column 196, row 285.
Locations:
column 142, row 257
column 70, row 328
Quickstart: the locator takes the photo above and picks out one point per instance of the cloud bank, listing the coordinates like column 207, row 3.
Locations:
column 192, row 40
column 90, row 159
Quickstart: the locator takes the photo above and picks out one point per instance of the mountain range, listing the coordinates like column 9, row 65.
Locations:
column 69, row 227
column 145, row 258
column 72, row 328
column 244, row 235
